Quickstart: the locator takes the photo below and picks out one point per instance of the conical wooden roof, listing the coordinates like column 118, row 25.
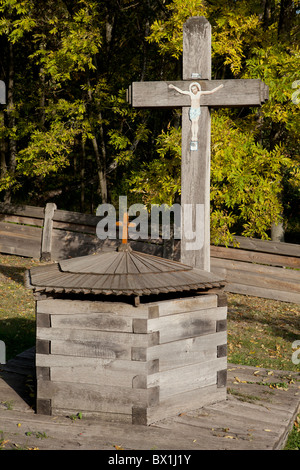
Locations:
column 120, row 272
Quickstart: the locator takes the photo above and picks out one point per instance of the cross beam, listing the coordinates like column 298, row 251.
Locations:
column 236, row 93
column 196, row 102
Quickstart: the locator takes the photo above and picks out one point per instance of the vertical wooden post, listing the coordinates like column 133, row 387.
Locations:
column 2, row 352
column 47, row 232
column 195, row 164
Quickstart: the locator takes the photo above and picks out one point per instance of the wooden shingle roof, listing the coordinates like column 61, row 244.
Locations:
column 120, row 272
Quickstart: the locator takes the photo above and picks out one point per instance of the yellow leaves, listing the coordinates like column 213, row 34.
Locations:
column 237, row 380
column 3, row 443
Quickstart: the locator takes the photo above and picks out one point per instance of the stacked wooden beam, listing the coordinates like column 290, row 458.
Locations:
column 131, row 364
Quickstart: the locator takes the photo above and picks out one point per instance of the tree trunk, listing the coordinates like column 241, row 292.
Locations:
column 11, row 111
column 285, row 18
column 100, row 159
column 82, row 171
column 100, row 170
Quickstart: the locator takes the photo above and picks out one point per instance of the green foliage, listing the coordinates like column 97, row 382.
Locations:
column 255, row 157
column 158, row 182
column 68, row 127
column 247, row 195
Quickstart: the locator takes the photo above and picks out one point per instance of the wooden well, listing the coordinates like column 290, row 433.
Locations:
column 128, row 337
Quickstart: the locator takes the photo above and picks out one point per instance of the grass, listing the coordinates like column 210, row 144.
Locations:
column 260, row 331
column 17, row 316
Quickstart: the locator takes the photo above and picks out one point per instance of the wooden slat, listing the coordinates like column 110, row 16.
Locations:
column 267, row 246
column 117, row 365
column 187, row 351
column 92, row 397
column 254, row 256
column 76, row 218
column 47, row 232
column 20, row 240
column 67, row 244
column 58, row 307
column 236, row 93
column 184, row 379
column 74, row 227
column 177, row 404
column 183, row 325
column 24, row 211
column 185, row 305
column 107, row 345
column 280, row 273
column 92, row 321
column 21, row 220
column 260, row 279
column 263, row 292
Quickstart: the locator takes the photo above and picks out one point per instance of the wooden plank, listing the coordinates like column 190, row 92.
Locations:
column 260, row 279
column 182, row 403
column 263, row 292
column 22, row 210
column 96, row 374
column 196, row 41
column 92, row 321
column 183, row 325
column 21, row 220
column 74, row 227
column 185, row 304
column 47, row 232
column 187, row 351
column 76, row 218
column 72, row 362
column 268, row 271
column 267, row 246
column 184, row 379
column 2, row 92
column 70, row 307
column 195, row 164
column 67, row 244
column 81, row 397
column 254, row 256
column 100, row 343
column 20, row 240
column 236, row 93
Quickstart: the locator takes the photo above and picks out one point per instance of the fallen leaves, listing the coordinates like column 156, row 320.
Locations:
column 237, row 380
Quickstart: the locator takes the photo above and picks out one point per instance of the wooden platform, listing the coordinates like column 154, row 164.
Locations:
column 258, row 414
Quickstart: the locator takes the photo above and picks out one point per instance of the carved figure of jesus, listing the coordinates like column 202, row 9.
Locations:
column 195, row 94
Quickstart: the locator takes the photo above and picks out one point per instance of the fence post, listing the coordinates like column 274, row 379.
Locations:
column 2, row 352
column 47, row 232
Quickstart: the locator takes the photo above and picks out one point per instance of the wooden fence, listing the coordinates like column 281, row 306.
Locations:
column 49, row 233
column 258, row 268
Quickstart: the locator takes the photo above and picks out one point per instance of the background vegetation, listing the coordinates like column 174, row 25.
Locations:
column 68, row 136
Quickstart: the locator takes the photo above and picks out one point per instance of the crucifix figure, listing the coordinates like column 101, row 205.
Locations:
column 195, row 159
column 195, row 94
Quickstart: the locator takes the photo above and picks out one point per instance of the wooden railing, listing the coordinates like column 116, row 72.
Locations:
column 260, row 268
column 257, row 268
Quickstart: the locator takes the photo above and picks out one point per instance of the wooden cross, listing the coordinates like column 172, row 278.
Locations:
column 125, row 224
column 195, row 161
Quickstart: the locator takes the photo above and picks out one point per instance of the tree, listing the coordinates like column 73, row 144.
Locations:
column 255, row 163
column 69, row 135
column 76, row 60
